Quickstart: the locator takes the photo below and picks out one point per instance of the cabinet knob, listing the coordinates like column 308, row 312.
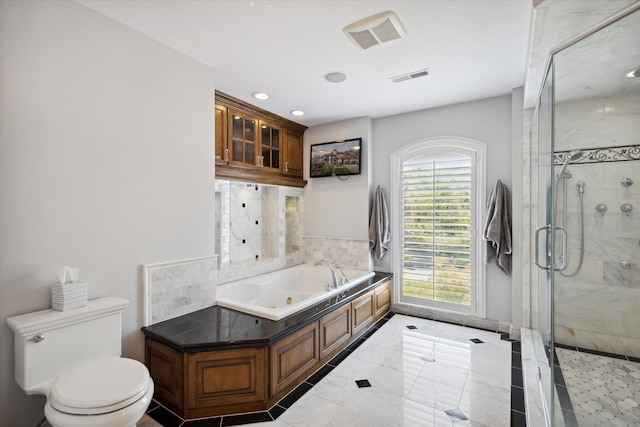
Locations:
column 226, row 154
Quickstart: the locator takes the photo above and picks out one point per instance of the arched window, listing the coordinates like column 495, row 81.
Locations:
column 437, row 198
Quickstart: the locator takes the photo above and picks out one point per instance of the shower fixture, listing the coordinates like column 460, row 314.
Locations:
column 571, row 156
column 602, row 208
column 563, row 176
column 626, row 182
column 626, row 208
column 634, row 73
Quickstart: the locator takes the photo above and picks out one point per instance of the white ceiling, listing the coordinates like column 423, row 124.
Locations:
column 474, row 49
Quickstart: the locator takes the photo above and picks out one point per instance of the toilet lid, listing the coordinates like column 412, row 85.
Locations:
column 102, row 386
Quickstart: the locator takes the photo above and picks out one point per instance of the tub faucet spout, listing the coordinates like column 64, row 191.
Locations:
column 334, row 285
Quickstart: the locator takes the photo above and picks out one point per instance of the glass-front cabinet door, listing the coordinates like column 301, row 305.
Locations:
column 269, row 147
column 244, row 140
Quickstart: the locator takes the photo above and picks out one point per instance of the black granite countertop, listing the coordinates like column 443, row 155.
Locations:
column 220, row 327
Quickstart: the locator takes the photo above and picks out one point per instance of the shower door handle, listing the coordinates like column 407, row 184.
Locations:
column 565, row 249
column 536, row 249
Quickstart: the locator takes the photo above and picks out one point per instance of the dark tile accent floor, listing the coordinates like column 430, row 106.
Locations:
column 518, row 417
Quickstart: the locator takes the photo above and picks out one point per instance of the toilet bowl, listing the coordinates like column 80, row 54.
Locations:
column 73, row 358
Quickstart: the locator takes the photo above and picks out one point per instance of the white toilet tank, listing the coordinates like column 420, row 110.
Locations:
column 49, row 342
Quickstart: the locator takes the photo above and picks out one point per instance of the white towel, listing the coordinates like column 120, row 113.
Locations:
column 497, row 228
column 379, row 225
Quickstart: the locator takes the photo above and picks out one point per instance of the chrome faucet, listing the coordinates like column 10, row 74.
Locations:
column 344, row 279
column 333, row 271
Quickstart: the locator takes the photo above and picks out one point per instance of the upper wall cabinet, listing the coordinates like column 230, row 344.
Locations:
column 255, row 145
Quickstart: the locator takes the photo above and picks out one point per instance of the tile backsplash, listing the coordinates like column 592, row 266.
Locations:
column 347, row 252
column 174, row 288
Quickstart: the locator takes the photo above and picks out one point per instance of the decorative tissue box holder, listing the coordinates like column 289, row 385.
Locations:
column 68, row 296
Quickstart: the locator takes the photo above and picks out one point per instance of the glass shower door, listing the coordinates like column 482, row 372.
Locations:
column 544, row 235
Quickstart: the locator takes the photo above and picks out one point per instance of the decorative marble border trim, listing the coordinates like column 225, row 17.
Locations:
column 620, row 153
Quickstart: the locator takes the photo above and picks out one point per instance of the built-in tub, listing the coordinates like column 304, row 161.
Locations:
column 281, row 293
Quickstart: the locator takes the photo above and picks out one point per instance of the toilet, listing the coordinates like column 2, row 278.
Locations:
column 73, row 358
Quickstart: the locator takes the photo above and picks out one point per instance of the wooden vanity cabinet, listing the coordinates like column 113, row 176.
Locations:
column 235, row 380
column 255, row 145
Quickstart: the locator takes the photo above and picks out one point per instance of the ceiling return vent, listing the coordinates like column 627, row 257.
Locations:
column 410, row 76
column 374, row 30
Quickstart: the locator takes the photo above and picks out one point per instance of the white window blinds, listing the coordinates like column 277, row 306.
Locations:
column 437, row 228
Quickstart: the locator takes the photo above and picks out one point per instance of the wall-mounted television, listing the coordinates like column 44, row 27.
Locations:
column 337, row 158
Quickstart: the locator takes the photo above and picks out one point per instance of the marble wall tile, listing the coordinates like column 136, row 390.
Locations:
column 625, row 275
column 352, row 253
column 175, row 288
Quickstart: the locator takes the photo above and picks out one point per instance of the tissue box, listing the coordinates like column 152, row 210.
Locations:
column 68, row 296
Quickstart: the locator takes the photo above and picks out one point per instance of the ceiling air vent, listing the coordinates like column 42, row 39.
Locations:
column 381, row 28
column 410, row 76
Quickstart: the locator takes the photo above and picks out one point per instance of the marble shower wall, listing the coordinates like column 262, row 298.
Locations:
column 257, row 229
column 598, row 308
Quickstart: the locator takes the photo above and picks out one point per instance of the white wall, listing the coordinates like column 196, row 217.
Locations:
column 106, row 163
column 488, row 121
column 335, row 208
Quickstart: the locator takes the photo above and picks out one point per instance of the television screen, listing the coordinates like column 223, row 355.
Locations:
column 336, row 158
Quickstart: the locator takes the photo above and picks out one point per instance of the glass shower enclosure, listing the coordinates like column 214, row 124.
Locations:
column 587, row 241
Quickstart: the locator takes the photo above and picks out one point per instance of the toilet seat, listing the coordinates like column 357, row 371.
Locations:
column 105, row 385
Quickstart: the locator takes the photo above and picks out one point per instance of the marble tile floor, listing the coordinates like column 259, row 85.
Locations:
column 418, row 372
column 598, row 390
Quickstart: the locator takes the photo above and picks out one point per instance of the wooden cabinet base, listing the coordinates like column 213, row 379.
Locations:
column 231, row 381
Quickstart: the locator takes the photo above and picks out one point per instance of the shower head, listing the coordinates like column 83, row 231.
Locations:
column 570, row 157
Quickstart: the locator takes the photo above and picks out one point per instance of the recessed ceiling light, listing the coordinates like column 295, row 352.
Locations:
column 260, row 95
column 296, row 112
column 335, row 77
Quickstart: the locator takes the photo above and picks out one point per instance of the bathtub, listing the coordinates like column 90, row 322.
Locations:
column 282, row 293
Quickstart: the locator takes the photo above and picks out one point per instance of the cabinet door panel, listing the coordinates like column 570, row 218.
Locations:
column 335, row 330
column 165, row 367
column 292, row 154
column 270, row 147
column 222, row 148
column 243, row 139
column 363, row 312
column 221, row 378
column 383, row 299
column 293, row 357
